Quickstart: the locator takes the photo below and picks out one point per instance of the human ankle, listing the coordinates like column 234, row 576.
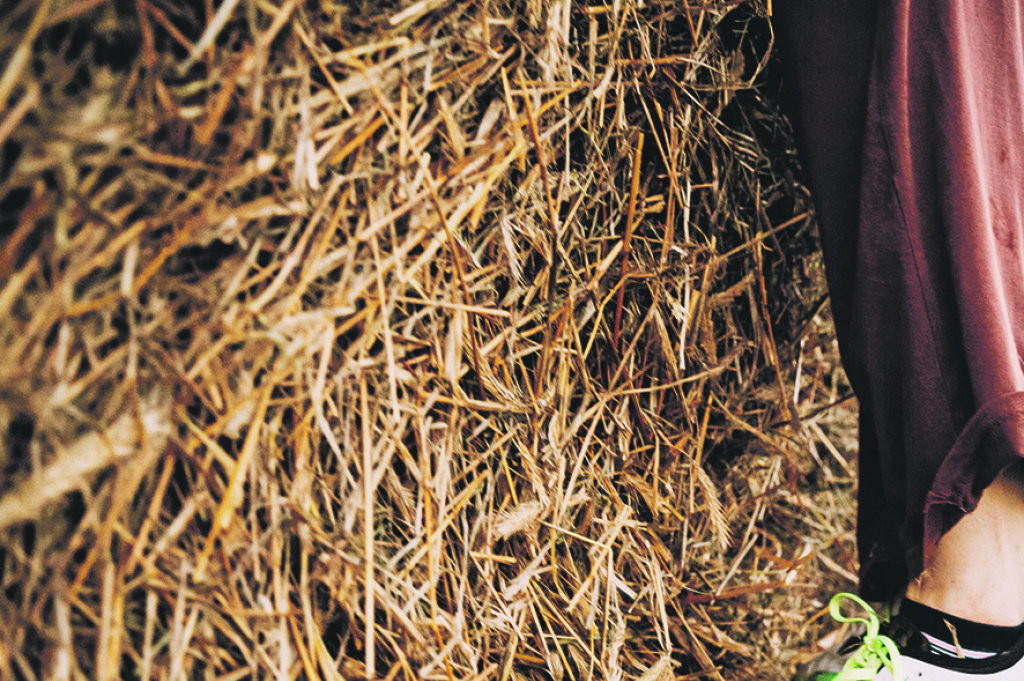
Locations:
column 975, row 571
column 969, row 600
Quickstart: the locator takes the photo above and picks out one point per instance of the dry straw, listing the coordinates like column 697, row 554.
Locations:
column 409, row 340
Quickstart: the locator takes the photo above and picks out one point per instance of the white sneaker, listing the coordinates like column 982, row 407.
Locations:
column 879, row 657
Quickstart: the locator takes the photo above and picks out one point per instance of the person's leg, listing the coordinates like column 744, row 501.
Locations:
column 909, row 118
column 827, row 54
column 976, row 570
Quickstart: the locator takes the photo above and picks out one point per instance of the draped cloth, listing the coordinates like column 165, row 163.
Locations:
column 909, row 119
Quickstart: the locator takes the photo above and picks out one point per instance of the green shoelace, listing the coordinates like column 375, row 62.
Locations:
column 876, row 650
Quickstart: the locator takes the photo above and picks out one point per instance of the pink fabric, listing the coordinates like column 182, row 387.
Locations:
column 925, row 251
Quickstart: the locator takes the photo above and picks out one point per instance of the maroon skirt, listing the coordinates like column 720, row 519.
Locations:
column 909, row 117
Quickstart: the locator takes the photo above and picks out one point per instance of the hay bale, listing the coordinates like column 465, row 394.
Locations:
column 408, row 340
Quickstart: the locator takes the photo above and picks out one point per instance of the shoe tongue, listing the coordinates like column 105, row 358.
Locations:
column 905, row 635
column 902, row 631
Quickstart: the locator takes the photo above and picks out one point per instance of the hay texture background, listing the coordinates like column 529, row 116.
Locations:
column 410, row 340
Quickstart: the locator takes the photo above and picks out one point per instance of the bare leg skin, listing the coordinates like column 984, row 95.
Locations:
column 977, row 572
